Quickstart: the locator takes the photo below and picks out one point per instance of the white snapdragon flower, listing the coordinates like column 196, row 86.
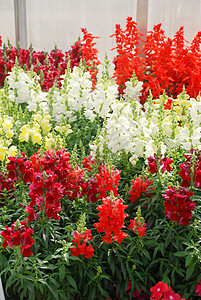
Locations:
column 132, row 91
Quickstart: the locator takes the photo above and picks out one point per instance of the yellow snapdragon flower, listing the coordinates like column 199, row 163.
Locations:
column 50, row 142
column 25, row 133
column 35, row 134
column 7, row 123
column 3, row 151
column 43, row 121
column 12, row 151
column 9, row 133
column 45, row 124
column 66, row 130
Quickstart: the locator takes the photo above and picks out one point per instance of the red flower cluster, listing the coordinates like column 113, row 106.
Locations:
column 49, row 66
column 128, row 58
column 112, row 219
column 162, row 63
column 81, row 241
column 178, row 206
column 139, row 186
column 89, row 54
column 45, row 193
column 186, row 173
column 20, row 168
column 162, row 291
column 107, row 181
column 18, row 235
column 138, row 227
column 165, row 162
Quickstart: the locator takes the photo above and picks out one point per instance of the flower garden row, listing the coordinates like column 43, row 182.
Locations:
column 100, row 189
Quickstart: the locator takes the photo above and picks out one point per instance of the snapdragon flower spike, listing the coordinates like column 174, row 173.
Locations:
column 88, row 162
column 178, row 206
column 81, row 243
column 139, row 186
column 45, row 193
column 162, row 291
column 111, row 219
column 186, row 173
column 19, row 234
column 138, row 228
column 138, row 225
column 107, row 181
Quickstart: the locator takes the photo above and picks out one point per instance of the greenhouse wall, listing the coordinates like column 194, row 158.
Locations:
column 50, row 22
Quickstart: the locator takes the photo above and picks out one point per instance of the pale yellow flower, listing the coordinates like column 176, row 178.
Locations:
column 9, row 133
column 25, row 133
column 8, row 123
column 12, row 151
column 49, row 142
column 45, row 125
column 66, row 130
column 36, row 137
column 2, row 152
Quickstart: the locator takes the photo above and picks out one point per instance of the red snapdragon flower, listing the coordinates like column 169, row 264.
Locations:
column 18, row 235
column 139, row 186
column 178, row 206
column 138, row 228
column 166, row 162
column 112, row 219
column 82, row 245
column 138, row 225
column 45, row 193
column 107, row 181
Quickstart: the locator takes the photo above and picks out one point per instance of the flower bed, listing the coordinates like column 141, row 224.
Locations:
column 99, row 194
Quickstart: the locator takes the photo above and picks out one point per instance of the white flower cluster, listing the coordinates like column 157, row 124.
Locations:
column 153, row 129
column 24, row 88
column 76, row 93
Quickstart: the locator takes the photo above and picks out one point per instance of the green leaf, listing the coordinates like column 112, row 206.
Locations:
column 188, row 260
column 62, row 272
column 111, row 263
column 103, row 292
column 190, row 271
column 180, row 254
column 52, row 290
column 92, row 294
column 123, row 270
column 166, row 279
column 72, row 281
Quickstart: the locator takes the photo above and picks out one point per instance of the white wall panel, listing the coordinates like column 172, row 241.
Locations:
column 59, row 22
column 7, row 21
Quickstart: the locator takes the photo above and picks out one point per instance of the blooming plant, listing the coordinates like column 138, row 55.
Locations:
column 99, row 194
